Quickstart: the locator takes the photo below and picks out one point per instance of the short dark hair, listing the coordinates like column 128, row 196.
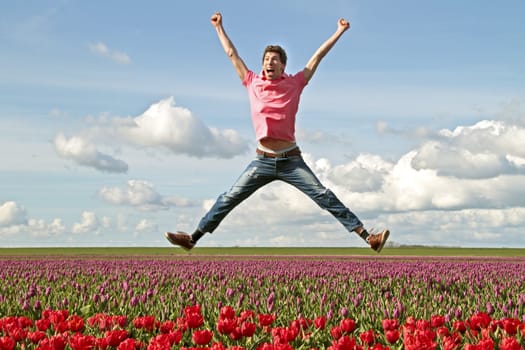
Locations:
column 276, row 49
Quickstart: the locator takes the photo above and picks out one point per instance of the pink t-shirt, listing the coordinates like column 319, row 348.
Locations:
column 274, row 104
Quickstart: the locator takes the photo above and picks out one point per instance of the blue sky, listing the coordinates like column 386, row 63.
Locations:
column 121, row 120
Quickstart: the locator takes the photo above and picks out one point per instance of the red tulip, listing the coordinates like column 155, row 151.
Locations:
column 195, row 321
column 266, row 346
column 442, row 332
column 437, row 321
column 43, row 324
column 82, row 342
column 235, row 334
column 194, row 318
column 509, row 343
column 167, row 326
column 24, row 322
column 175, row 336
column 220, row 346
column 128, row 344
column 56, row 342
column 265, row 320
column 60, row 327
column 226, row 326
column 7, row 343
column 147, row 323
column 283, row 335
column 367, row 337
column 510, row 325
column 227, row 312
column 392, row 335
column 182, row 324
column 347, row 325
column 320, row 322
column 452, row 342
column 344, row 343
column 248, row 329
column 246, row 315
column 75, row 323
column 17, row 333
column 479, row 321
column 202, row 337
column 336, row 332
column 115, row 337
column 389, row 325
column 418, row 340
column 159, row 342
column 102, row 343
column 36, row 336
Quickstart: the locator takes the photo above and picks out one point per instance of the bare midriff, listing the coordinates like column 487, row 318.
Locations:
column 275, row 144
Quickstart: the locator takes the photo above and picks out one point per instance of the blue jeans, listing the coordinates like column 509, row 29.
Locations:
column 292, row 170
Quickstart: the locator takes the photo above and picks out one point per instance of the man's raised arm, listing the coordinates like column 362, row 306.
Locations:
column 231, row 51
column 313, row 63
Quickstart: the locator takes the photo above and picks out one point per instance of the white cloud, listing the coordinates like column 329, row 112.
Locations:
column 164, row 125
column 116, row 56
column 83, row 152
column 40, row 228
column 12, row 214
column 463, row 227
column 89, row 223
column 364, row 174
column 14, row 222
column 141, row 195
column 484, row 150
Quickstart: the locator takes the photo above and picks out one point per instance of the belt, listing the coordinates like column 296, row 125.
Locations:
column 293, row 152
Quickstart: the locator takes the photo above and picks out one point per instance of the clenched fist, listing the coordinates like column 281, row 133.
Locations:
column 216, row 19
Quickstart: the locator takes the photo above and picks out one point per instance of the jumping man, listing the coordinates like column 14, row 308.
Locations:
column 274, row 100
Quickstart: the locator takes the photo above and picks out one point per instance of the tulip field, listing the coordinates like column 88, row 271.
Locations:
column 183, row 301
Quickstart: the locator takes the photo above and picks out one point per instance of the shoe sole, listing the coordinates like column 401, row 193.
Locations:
column 166, row 234
column 384, row 238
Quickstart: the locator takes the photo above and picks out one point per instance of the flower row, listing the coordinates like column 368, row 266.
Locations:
column 245, row 329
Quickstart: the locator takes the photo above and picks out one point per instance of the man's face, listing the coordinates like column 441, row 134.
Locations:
column 273, row 68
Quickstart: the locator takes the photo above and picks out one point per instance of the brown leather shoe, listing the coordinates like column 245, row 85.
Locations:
column 181, row 239
column 378, row 240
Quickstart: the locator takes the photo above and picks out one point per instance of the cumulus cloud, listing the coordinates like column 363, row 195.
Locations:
column 89, row 223
column 12, row 214
column 14, row 222
column 462, row 227
column 141, row 195
column 484, row 150
column 34, row 228
column 364, row 174
column 101, row 49
column 165, row 125
column 41, row 228
column 81, row 151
